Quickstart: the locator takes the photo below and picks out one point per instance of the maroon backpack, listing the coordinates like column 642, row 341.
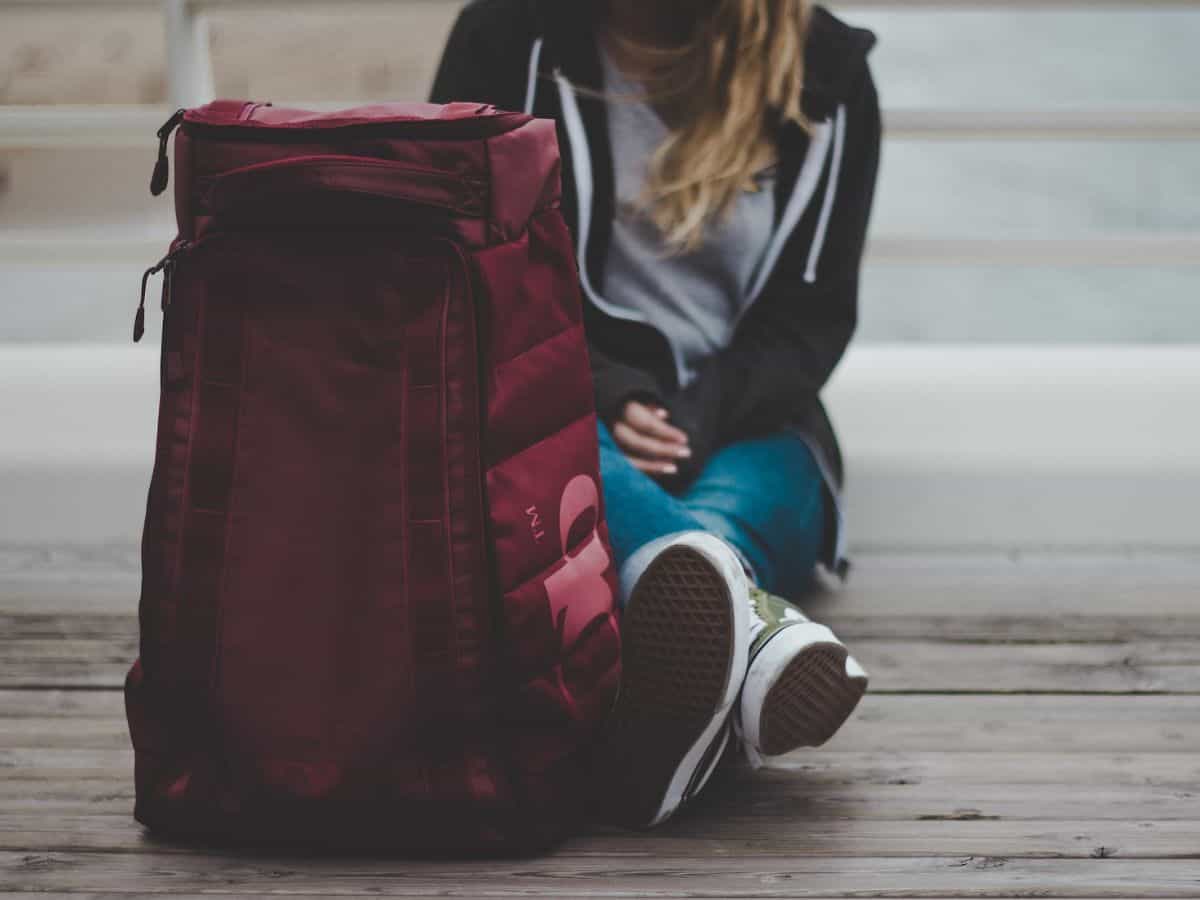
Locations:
column 377, row 592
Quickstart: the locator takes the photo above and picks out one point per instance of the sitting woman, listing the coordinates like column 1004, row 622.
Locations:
column 719, row 167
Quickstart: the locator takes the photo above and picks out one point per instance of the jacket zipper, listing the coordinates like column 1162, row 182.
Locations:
column 166, row 265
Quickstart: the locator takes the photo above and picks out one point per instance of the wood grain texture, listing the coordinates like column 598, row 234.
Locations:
column 1034, row 732
column 933, row 624
column 700, row 876
column 1063, row 725
column 705, row 834
column 906, row 666
column 796, row 796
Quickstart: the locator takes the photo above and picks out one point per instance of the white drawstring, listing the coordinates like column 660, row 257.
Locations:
column 535, row 55
column 801, row 196
column 835, row 167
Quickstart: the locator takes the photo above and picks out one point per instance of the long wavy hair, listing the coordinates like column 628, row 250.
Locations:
column 735, row 73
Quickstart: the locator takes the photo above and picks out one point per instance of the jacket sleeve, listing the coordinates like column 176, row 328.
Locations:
column 788, row 344
column 616, row 383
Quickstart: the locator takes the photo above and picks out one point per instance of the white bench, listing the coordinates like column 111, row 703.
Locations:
column 972, row 447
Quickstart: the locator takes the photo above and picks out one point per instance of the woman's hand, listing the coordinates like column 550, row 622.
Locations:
column 651, row 443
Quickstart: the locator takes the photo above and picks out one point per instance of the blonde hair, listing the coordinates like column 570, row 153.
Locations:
column 737, row 75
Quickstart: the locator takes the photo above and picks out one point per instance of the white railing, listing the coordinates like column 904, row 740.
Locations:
column 25, row 127
column 190, row 78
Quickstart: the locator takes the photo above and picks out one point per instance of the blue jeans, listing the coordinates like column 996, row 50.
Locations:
column 765, row 496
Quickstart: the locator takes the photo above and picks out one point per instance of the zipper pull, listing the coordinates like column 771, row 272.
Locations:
column 162, row 168
column 139, row 317
column 166, row 265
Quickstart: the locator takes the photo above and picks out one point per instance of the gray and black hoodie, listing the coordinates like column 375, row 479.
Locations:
column 530, row 55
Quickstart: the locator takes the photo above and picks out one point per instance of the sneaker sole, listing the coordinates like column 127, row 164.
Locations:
column 804, row 684
column 681, row 676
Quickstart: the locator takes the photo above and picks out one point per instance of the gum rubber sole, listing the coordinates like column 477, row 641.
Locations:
column 678, row 638
column 809, row 701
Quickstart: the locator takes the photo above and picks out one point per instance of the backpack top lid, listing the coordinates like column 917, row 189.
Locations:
column 509, row 159
column 466, row 120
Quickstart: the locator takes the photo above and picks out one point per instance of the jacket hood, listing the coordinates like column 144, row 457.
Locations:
column 835, row 60
column 835, row 54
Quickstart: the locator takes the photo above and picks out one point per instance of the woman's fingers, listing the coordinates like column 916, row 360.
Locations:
column 653, row 467
column 652, row 421
column 649, row 441
column 636, row 443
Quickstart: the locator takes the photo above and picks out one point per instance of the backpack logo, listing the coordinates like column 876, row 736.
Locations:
column 578, row 591
column 535, row 524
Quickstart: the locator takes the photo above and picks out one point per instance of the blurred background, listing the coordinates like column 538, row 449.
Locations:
column 1027, row 370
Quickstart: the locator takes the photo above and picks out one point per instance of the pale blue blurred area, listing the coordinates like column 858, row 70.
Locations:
column 1138, row 57
column 1038, row 189
column 1015, row 56
column 1031, row 305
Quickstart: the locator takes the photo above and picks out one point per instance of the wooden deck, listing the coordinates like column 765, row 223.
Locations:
column 1034, row 730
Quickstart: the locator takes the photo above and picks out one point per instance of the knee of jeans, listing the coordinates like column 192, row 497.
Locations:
column 779, row 510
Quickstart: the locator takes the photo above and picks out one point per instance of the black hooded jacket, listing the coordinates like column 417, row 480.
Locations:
column 530, row 54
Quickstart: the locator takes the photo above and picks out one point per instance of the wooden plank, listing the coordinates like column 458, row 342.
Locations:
column 24, row 767
column 747, row 876
column 928, row 583
column 841, row 791
column 855, row 616
column 717, row 835
column 1069, row 724
column 208, row 895
column 1059, row 724
column 1020, row 585
column 1143, row 666
column 928, row 597
column 904, row 666
column 770, row 801
column 60, row 704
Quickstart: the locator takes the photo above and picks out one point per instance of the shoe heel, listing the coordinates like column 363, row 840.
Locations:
column 800, row 691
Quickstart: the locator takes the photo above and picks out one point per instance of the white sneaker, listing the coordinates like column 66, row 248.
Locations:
column 802, row 683
column 685, row 648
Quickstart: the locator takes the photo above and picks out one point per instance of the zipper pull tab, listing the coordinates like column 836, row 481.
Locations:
column 162, row 168
column 139, row 317
column 166, row 265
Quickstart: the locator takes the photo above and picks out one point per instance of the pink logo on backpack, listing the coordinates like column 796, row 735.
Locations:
column 577, row 591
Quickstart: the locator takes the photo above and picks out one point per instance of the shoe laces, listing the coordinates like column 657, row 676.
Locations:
column 757, row 622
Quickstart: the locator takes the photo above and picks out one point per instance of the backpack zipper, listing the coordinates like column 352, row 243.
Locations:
column 465, row 127
column 166, row 265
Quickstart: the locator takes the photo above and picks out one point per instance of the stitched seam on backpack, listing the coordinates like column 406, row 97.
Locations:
column 590, row 414
column 539, row 344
